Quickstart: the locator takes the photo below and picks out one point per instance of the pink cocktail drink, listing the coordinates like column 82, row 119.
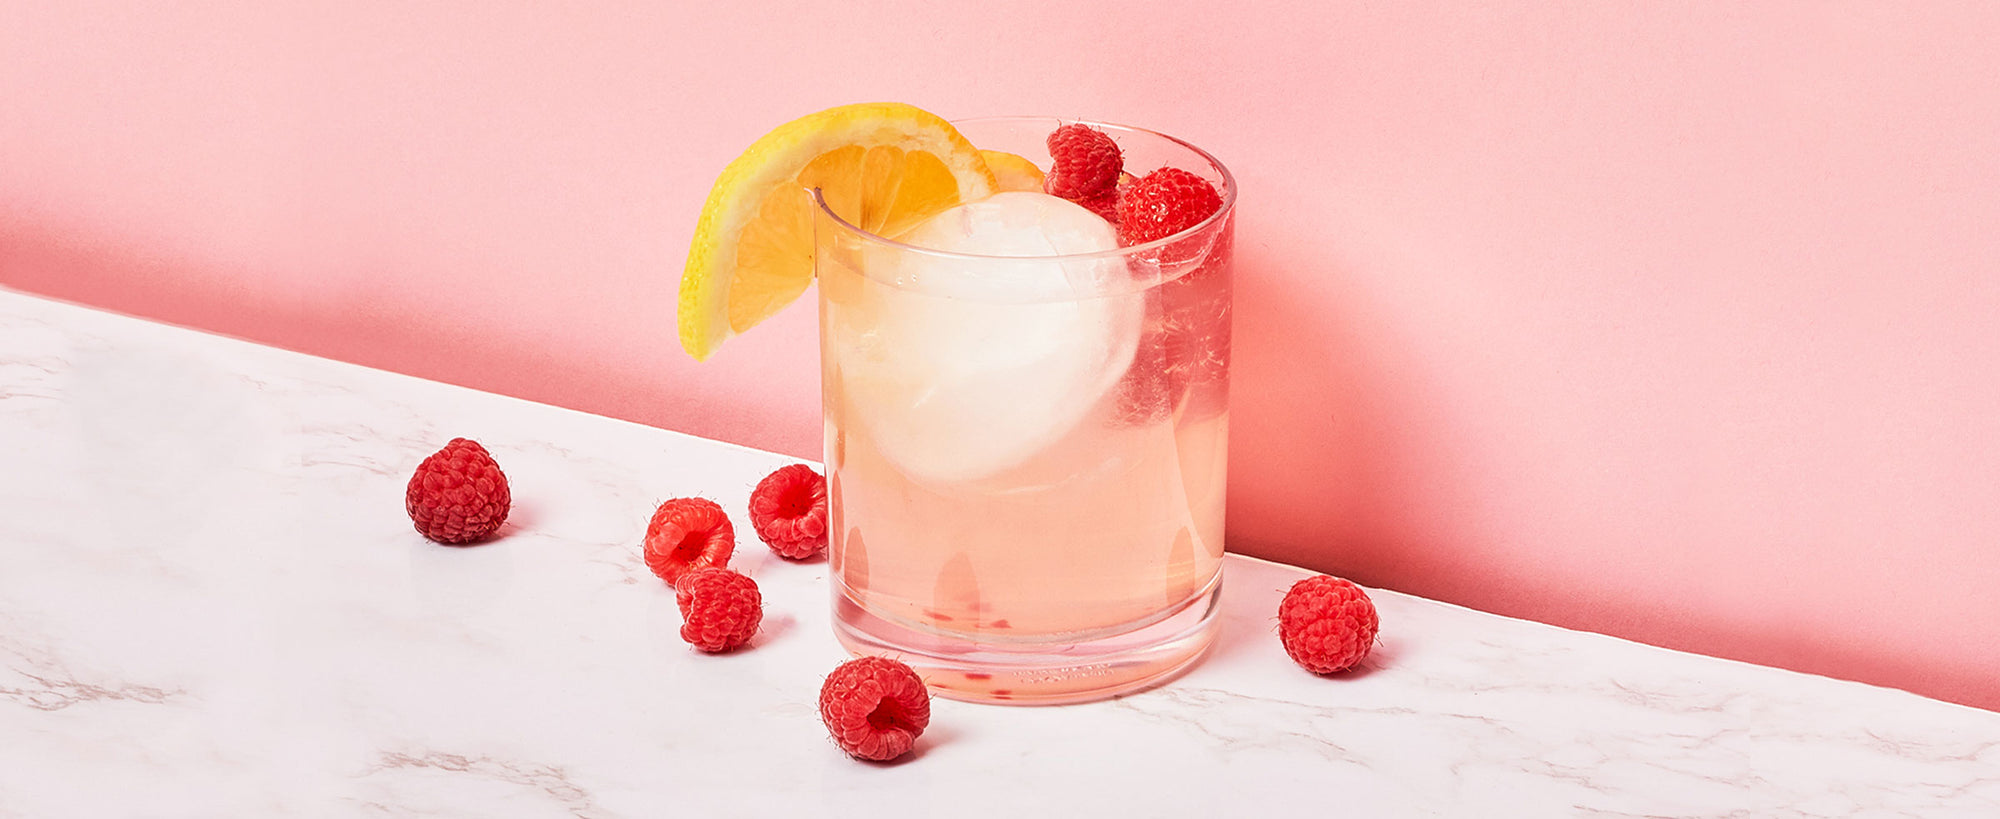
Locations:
column 1026, row 436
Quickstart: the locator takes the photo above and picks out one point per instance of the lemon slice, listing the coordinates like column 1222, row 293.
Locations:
column 883, row 167
column 1013, row 171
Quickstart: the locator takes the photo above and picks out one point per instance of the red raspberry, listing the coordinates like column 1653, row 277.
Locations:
column 458, row 494
column 1153, row 385
column 688, row 533
column 788, row 510
column 874, row 707
column 1086, row 163
column 1183, row 345
column 1163, row 203
column 1327, row 624
column 1105, row 204
column 720, row 609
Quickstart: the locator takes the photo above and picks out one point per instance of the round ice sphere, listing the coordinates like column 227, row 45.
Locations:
column 960, row 368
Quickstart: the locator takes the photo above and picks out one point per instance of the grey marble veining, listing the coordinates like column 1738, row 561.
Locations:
column 212, row 604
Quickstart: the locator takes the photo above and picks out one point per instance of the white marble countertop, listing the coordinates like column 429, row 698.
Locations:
column 213, row 604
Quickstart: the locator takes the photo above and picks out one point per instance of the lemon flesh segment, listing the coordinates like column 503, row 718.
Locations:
column 1013, row 172
column 883, row 167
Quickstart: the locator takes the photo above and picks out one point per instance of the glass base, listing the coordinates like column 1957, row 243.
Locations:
column 1038, row 673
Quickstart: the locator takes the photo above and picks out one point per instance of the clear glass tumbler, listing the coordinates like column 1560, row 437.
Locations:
column 1026, row 453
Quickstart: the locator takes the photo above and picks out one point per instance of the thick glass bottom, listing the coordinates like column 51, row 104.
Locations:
column 1053, row 672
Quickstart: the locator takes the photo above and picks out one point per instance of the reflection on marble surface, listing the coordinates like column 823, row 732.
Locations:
column 212, row 604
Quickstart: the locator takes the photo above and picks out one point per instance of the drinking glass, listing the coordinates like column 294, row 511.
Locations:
column 1025, row 454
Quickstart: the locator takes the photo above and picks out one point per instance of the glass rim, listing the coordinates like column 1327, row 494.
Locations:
column 1228, row 192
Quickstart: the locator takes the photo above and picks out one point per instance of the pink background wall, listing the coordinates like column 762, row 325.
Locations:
column 1673, row 321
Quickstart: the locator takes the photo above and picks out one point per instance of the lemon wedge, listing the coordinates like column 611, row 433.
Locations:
column 1013, row 172
column 883, row 167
